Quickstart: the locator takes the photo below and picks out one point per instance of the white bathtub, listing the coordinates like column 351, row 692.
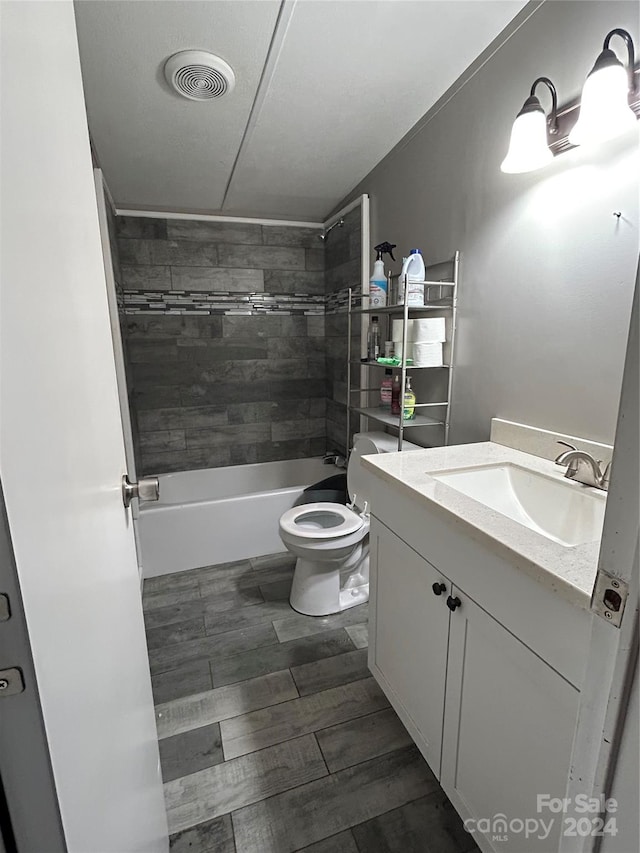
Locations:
column 216, row 515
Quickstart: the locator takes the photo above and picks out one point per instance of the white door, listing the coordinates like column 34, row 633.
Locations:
column 61, row 450
column 118, row 351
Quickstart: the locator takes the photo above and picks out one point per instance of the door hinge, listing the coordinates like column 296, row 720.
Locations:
column 609, row 597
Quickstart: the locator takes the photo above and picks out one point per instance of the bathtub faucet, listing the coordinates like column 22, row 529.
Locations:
column 334, row 458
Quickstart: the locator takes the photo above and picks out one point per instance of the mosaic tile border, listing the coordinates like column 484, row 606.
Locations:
column 338, row 301
column 224, row 302
column 203, row 302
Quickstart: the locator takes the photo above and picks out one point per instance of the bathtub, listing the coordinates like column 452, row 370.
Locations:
column 216, row 515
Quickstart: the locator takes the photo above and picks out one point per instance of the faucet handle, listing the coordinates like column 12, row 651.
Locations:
column 606, row 474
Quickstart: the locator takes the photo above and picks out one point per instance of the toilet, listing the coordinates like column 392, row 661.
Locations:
column 331, row 541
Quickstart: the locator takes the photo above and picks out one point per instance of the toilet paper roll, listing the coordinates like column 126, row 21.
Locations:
column 429, row 330
column 427, row 354
column 396, row 330
column 397, row 349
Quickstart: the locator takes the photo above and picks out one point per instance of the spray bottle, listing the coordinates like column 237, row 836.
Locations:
column 378, row 281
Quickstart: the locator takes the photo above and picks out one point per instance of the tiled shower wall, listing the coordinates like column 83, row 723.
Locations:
column 210, row 388
column 342, row 270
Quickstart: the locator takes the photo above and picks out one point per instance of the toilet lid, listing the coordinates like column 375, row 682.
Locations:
column 321, row 521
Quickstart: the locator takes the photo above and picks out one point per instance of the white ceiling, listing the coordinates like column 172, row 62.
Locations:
column 343, row 82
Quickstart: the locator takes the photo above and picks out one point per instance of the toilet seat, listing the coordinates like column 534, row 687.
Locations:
column 321, row 521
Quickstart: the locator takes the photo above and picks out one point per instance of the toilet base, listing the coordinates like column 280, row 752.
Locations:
column 321, row 588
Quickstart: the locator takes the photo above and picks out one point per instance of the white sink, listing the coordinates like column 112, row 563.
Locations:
column 559, row 509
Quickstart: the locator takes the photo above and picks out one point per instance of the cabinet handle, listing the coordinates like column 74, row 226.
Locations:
column 439, row 588
column 452, row 603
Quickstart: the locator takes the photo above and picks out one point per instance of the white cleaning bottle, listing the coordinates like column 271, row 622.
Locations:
column 413, row 266
column 411, row 278
column 378, row 281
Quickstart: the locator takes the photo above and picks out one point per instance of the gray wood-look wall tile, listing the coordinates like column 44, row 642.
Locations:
column 160, row 440
column 189, row 417
column 288, row 235
column 268, row 726
column 213, row 232
column 146, row 278
column 272, row 658
column 261, row 257
column 211, row 836
column 331, row 672
column 310, row 428
column 141, row 227
column 202, row 709
column 135, row 252
column 233, row 642
column 294, row 627
column 359, row 740
column 314, row 259
column 234, row 784
column 217, row 278
column 292, row 820
column 359, row 635
column 190, row 751
column 191, row 253
column 424, row 825
column 300, row 281
column 188, row 678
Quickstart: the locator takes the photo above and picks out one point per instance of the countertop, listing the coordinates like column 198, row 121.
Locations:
column 569, row 570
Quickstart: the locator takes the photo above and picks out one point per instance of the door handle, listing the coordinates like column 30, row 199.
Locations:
column 452, row 602
column 146, row 489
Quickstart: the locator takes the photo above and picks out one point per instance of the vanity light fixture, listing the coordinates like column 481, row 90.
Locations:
column 529, row 147
column 605, row 110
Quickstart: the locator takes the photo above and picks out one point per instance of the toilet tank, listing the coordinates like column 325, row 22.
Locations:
column 365, row 443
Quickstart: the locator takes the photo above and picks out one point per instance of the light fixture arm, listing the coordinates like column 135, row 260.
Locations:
column 553, row 115
column 624, row 35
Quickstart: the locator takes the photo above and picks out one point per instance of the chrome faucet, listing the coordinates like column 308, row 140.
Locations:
column 583, row 468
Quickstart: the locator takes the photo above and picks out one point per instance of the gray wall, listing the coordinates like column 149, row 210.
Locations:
column 547, row 270
column 209, row 388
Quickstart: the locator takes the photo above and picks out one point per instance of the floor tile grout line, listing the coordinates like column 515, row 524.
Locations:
column 329, row 776
column 233, row 716
column 324, row 760
column 313, row 731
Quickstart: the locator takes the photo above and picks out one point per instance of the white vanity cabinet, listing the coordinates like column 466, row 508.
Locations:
column 411, row 630
column 493, row 719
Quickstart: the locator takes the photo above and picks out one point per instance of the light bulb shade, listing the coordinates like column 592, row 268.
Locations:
column 528, row 148
column 604, row 109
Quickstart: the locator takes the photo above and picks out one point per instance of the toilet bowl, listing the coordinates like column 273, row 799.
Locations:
column 331, row 541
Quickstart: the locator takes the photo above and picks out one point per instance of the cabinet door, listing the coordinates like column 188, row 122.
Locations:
column 408, row 646
column 508, row 730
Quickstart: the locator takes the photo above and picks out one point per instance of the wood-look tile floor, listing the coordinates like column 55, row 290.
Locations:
column 274, row 737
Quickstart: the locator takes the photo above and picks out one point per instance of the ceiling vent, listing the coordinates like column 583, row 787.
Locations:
column 199, row 75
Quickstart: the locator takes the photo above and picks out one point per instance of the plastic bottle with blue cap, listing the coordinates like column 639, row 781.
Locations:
column 413, row 272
